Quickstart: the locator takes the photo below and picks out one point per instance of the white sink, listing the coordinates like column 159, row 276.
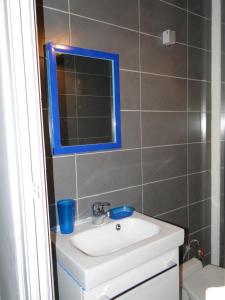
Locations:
column 94, row 255
column 108, row 238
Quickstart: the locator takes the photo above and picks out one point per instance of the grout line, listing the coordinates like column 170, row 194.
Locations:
column 140, row 104
column 133, row 149
column 165, row 75
column 69, row 23
column 123, row 27
column 199, row 201
column 164, row 179
column 176, row 209
column 168, row 111
column 112, row 191
column 201, row 229
column 169, row 211
column 188, row 195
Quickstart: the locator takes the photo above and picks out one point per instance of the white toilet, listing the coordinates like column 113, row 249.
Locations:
column 195, row 280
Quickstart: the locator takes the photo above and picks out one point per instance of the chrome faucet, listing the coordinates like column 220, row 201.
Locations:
column 98, row 212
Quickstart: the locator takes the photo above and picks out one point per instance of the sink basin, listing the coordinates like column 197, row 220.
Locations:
column 94, row 255
column 109, row 238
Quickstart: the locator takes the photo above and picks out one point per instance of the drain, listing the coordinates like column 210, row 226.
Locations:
column 118, row 226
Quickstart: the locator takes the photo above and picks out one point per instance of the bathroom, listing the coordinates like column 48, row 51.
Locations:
column 164, row 165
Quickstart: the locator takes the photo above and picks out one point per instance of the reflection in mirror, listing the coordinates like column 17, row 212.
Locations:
column 85, row 99
column 83, row 88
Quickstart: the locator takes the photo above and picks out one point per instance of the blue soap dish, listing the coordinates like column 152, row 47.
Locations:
column 121, row 212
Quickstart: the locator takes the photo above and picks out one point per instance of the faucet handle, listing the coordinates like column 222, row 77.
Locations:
column 98, row 208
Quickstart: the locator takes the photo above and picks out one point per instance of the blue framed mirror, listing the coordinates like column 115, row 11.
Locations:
column 84, row 100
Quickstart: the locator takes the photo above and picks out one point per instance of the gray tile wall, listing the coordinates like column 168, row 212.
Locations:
column 163, row 168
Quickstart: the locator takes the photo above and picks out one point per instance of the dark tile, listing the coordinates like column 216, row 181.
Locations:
column 156, row 58
column 199, row 157
column 65, row 62
column 222, row 127
column 53, row 217
column 223, row 97
column 64, row 177
column 94, row 127
column 129, row 90
column 43, row 81
column 50, row 180
column 199, row 215
column 200, row 7
column 199, row 186
column 164, row 128
column 132, row 196
column 223, row 68
column 46, row 127
column 62, row 5
column 199, row 64
column 53, row 26
column 173, row 95
column 223, row 11
column 199, row 32
column 130, row 128
column 94, row 106
column 177, row 217
column 93, row 85
column 222, row 162
column 95, row 35
column 67, row 105
column 160, row 197
column 103, row 172
column 172, row 18
column 66, row 82
column 180, row 3
column 199, row 96
column 199, row 127
column 90, row 65
column 204, row 238
column 123, row 13
column 162, row 163
column 223, row 37
column 222, row 181
column 68, row 128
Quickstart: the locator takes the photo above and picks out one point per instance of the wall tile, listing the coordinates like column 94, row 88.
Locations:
column 200, row 7
column 53, row 26
column 199, row 186
column 173, row 95
column 172, row 128
column 199, row 32
column 199, row 127
column 178, row 217
column 64, row 177
column 200, row 214
column 132, row 196
column 180, row 3
column 129, row 90
column 99, row 173
column 165, row 162
column 160, row 197
column 156, row 58
column 199, row 64
column 108, row 11
column 130, row 128
column 199, row 157
column 94, row 35
column 58, row 4
column 199, row 96
column 173, row 18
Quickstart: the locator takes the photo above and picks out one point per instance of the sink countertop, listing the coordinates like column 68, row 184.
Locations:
column 90, row 271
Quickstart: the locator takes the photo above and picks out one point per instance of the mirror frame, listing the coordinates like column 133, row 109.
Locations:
column 54, row 117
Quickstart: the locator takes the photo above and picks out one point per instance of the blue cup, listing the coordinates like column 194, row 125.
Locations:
column 66, row 214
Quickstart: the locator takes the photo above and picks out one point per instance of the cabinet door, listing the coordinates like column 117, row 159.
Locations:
column 161, row 287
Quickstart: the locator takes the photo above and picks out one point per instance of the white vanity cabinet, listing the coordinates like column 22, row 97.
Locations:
column 157, row 279
column 144, row 270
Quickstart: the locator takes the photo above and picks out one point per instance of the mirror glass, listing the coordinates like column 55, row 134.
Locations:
column 85, row 99
column 83, row 87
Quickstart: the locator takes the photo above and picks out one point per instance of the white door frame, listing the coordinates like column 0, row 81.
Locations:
column 24, row 125
column 215, row 131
